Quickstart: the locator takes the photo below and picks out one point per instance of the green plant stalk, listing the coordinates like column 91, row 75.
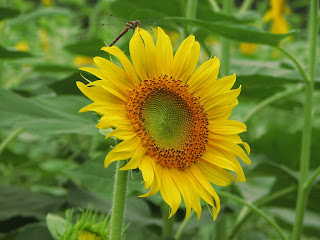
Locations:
column 182, row 226
column 245, row 6
column 167, row 227
column 296, row 62
column 308, row 184
column 119, row 202
column 245, row 212
column 225, row 43
column 303, row 193
column 214, row 5
column 256, row 210
column 9, row 138
column 191, row 12
column 272, row 99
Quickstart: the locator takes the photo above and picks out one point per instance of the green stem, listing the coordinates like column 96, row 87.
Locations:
column 245, row 212
column 296, row 62
column 9, row 138
column 167, row 228
column 225, row 43
column 303, row 193
column 311, row 179
column 182, row 226
column 214, row 5
column 191, row 12
column 272, row 99
column 119, row 202
column 256, row 210
column 245, row 6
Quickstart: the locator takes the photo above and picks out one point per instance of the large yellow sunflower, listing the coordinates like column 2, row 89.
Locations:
column 171, row 118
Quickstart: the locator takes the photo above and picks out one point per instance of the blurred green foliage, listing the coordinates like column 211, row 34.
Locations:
column 55, row 159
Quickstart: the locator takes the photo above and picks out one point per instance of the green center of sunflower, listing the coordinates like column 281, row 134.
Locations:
column 169, row 120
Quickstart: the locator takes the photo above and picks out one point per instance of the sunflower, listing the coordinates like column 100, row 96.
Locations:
column 171, row 118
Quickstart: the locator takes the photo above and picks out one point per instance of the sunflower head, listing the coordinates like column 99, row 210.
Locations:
column 172, row 118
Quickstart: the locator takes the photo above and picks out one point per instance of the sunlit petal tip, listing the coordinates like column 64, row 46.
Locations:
column 84, row 109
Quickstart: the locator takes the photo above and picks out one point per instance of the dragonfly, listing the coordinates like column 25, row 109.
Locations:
column 117, row 22
column 129, row 25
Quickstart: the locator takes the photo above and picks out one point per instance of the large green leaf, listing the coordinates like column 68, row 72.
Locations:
column 12, row 54
column 45, row 116
column 8, row 13
column 33, row 231
column 99, row 180
column 16, row 201
column 56, row 225
column 90, row 47
column 238, row 32
column 40, row 12
column 137, row 210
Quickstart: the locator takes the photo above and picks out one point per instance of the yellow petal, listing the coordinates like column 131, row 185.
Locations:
column 96, row 72
column 220, row 87
column 138, row 55
column 223, row 112
column 150, row 51
column 104, row 108
column 122, row 151
column 146, row 168
column 184, row 187
column 215, row 174
column 227, row 127
column 118, row 92
column 98, row 94
column 137, row 156
column 115, row 120
column 169, row 191
column 114, row 74
column 125, row 63
column 164, row 53
column 122, row 133
column 186, row 58
column 232, row 148
column 203, row 181
column 205, row 76
column 223, row 100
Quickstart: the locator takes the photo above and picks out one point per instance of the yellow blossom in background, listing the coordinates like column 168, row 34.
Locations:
column 44, row 40
column 80, row 60
column 47, row 3
column 276, row 15
column 22, row 46
column 172, row 118
column 85, row 235
column 248, row 48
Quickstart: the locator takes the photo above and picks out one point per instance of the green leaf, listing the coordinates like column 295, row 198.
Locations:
column 40, row 12
column 45, row 116
column 8, row 13
column 16, row 201
column 255, row 188
column 311, row 221
column 238, row 32
column 89, row 47
column 33, row 231
column 56, row 225
column 53, row 68
column 99, row 180
column 12, row 54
